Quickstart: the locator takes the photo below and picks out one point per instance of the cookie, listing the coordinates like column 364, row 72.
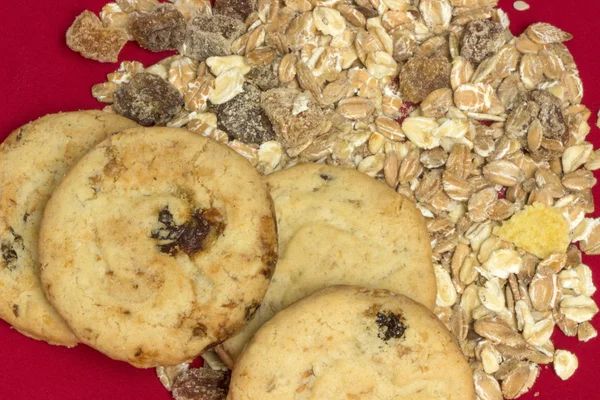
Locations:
column 348, row 342
column 33, row 159
column 339, row 226
column 157, row 245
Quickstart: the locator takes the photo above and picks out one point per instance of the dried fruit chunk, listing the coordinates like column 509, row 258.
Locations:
column 211, row 36
column 294, row 129
column 243, row 119
column 161, row 29
column 421, row 76
column 553, row 122
column 264, row 76
column 201, row 384
column 238, row 9
column 544, row 33
column 482, row 38
column 88, row 37
column 538, row 229
column 148, row 100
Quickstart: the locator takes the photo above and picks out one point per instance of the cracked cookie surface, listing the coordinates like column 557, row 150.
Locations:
column 348, row 342
column 33, row 159
column 158, row 244
column 339, row 226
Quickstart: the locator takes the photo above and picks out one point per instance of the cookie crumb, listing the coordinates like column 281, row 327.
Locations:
column 88, row 37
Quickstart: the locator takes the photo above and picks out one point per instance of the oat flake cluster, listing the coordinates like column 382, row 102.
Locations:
column 436, row 98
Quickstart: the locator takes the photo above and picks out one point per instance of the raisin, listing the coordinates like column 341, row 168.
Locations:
column 15, row 309
column 238, row 9
column 148, row 99
column 9, row 255
column 88, row 37
column 326, row 177
column 390, row 325
column 264, row 76
column 211, row 36
column 481, row 39
column 422, row 75
column 243, row 119
column 201, row 384
column 161, row 29
column 191, row 237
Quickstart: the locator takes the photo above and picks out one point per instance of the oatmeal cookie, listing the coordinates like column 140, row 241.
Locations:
column 33, row 159
column 158, row 244
column 352, row 343
column 339, row 226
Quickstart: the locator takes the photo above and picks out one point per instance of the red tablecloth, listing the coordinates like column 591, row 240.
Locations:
column 40, row 75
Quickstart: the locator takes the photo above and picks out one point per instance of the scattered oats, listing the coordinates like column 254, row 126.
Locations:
column 565, row 364
column 521, row 6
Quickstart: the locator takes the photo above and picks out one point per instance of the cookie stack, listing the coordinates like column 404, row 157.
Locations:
column 149, row 245
column 154, row 244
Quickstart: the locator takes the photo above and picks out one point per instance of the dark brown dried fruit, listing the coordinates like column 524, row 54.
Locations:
column 553, row 121
column 9, row 255
column 148, row 99
column 211, row 36
column 92, row 40
column 161, row 29
column 390, row 325
column 264, row 76
column 191, row 237
column 243, row 119
column 201, row 384
column 481, row 39
column 238, row 9
column 422, row 75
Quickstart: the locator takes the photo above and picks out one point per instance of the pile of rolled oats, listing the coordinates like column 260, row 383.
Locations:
column 483, row 130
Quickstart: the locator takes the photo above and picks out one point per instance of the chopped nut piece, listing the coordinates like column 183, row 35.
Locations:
column 88, row 37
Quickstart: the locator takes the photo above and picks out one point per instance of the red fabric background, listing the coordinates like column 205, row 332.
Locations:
column 40, row 75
